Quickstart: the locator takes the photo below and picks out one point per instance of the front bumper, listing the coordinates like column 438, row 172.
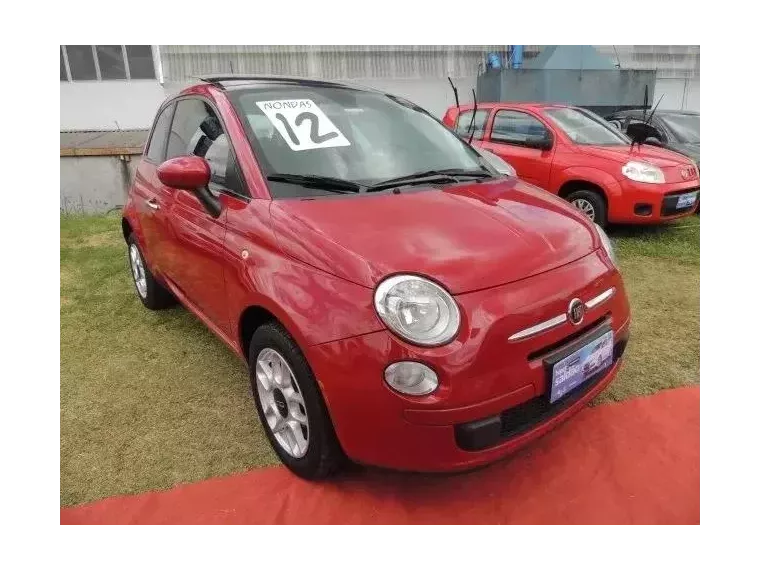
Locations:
column 501, row 428
column 482, row 374
column 651, row 203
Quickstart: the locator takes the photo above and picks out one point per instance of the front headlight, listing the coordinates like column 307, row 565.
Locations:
column 417, row 310
column 643, row 172
column 606, row 244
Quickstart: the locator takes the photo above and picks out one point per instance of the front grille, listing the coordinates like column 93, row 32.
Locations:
column 533, row 412
column 565, row 341
column 671, row 199
column 491, row 431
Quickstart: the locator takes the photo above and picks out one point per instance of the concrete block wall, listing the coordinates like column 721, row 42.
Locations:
column 95, row 184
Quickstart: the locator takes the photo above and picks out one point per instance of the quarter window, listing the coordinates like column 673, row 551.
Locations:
column 479, row 125
column 157, row 144
column 516, row 127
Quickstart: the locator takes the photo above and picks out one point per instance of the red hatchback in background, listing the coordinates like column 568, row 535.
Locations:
column 577, row 155
column 397, row 300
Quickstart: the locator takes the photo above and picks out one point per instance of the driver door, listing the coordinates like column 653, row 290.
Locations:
column 508, row 139
column 195, row 262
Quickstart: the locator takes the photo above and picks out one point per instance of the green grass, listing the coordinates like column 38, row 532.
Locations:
column 660, row 266
column 150, row 400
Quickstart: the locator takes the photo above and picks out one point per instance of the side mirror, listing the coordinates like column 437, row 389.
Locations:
column 653, row 141
column 541, row 143
column 185, row 172
column 191, row 173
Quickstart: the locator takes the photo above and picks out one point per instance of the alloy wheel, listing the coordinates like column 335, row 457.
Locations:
column 586, row 207
column 138, row 270
column 282, row 402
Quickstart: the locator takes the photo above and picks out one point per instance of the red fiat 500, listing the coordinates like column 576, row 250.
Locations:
column 398, row 301
column 577, row 155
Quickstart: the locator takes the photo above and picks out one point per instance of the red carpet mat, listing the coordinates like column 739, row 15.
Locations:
column 631, row 462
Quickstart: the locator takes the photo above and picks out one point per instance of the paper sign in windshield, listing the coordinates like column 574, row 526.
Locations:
column 302, row 124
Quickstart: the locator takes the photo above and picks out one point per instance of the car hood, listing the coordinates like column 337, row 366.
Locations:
column 467, row 237
column 689, row 149
column 658, row 156
column 693, row 151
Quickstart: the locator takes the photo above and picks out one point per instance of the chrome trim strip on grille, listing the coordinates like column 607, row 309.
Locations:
column 540, row 327
column 601, row 298
column 559, row 319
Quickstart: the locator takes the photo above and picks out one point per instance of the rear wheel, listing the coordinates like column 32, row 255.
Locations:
column 591, row 204
column 152, row 294
column 290, row 405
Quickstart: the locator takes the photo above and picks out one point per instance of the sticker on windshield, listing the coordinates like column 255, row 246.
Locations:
column 302, row 124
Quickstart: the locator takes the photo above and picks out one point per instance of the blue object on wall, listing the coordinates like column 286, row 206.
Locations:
column 494, row 61
column 517, row 56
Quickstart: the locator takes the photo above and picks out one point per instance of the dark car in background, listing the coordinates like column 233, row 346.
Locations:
column 675, row 130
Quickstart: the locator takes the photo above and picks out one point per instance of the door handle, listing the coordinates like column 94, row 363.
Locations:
column 153, row 204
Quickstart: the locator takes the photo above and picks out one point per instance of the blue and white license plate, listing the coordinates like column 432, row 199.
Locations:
column 575, row 369
column 686, row 200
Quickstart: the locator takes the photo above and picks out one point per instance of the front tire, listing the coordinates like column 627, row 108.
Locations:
column 290, row 406
column 152, row 294
column 590, row 203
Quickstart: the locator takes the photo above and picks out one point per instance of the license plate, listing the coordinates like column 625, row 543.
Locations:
column 686, row 200
column 575, row 369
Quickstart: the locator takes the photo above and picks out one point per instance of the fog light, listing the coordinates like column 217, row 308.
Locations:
column 411, row 378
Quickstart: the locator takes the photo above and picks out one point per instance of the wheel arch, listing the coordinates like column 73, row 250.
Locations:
column 571, row 186
column 253, row 316
column 126, row 228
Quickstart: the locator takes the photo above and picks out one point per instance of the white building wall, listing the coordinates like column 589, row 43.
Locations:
column 415, row 72
column 677, row 70
column 109, row 105
column 677, row 94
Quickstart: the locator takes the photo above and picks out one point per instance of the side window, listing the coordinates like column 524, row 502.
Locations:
column 516, row 127
column 157, row 143
column 463, row 123
column 197, row 130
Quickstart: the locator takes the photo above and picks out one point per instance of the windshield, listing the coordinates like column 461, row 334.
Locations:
column 342, row 133
column 684, row 127
column 584, row 127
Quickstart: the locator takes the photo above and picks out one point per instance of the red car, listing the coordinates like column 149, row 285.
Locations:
column 577, row 155
column 397, row 300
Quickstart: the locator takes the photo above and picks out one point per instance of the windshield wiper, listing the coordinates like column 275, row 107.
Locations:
column 429, row 176
column 322, row 182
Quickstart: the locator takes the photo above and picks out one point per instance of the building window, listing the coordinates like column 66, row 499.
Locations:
column 140, row 60
column 105, row 63
column 111, row 62
column 81, row 62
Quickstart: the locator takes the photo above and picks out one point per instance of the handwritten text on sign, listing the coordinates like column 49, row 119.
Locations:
column 302, row 124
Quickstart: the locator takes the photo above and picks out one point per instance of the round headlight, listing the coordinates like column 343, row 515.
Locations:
column 417, row 310
column 606, row 243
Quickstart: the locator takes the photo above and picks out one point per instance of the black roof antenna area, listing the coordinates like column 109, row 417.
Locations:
column 472, row 120
column 655, row 108
column 640, row 131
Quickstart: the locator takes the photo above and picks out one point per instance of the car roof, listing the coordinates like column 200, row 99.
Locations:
column 229, row 82
column 532, row 105
column 631, row 112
